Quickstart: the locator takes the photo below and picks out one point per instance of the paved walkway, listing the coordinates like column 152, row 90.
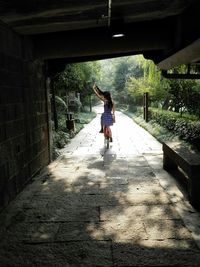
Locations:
column 98, row 207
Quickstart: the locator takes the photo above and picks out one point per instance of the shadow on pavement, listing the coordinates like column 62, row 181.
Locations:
column 88, row 213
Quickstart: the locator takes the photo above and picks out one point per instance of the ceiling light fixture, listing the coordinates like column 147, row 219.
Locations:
column 116, row 25
column 117, row 28
column 117, row 35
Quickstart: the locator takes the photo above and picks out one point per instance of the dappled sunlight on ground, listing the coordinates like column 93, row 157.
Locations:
column 97, row 207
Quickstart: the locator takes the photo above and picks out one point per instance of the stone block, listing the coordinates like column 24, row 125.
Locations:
column 175, row 155
column 22, row 96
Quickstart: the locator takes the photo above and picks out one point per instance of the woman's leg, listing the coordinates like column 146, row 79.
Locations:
column 110, row 133
column 101, row 131
column 107, row 132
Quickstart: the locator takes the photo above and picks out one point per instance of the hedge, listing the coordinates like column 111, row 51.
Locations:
column 187, row 127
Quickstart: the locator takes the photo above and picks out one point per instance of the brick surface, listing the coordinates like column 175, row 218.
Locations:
column 21, row 88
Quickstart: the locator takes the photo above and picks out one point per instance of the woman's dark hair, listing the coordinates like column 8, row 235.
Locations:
column 107, row 96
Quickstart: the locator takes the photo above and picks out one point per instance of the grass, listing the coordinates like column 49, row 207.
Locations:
column 183, row 115
column 159, row 132
column 83, row 118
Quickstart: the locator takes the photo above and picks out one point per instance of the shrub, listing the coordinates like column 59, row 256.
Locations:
column 186, row 127
column 60, row 139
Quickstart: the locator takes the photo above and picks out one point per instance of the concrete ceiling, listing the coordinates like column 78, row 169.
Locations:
column 82, row 30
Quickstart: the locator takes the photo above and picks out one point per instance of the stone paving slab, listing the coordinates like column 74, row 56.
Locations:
column 56, row 212
column 139, row 212
column 158, row 253
column 81, row 253
column 99, row 207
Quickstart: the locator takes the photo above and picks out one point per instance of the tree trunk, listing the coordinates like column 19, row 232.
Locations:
column 55, row 117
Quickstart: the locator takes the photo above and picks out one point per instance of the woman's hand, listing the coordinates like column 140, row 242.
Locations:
column 98, row 92
column 96, row 89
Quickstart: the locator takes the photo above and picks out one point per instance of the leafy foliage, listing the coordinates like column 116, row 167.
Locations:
column 187, row 126
column 60, row 138
column 78, row 78
column 128, row 78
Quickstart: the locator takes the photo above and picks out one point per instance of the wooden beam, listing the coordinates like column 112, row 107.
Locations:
column 98, row 42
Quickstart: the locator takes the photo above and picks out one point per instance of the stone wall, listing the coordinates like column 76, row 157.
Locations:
column 24, row 142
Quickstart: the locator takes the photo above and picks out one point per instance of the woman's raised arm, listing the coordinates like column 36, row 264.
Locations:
column 98, row 92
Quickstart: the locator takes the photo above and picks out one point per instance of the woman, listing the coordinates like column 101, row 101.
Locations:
column 107, row 117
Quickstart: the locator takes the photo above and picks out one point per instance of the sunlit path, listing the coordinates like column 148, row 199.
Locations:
column 126, row 140
column 99, row 207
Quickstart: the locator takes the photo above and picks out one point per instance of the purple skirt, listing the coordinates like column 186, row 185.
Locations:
column 106, row 119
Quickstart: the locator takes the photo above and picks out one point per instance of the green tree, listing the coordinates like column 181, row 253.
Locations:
column 135, row 88
column 120, row 75
column 77, row 77
column 150, row 81
column 157, row 84
column 124, row 68
column 181, row 92
column 193, row 99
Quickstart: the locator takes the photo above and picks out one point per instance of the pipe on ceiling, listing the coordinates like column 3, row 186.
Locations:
column 109, row 11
